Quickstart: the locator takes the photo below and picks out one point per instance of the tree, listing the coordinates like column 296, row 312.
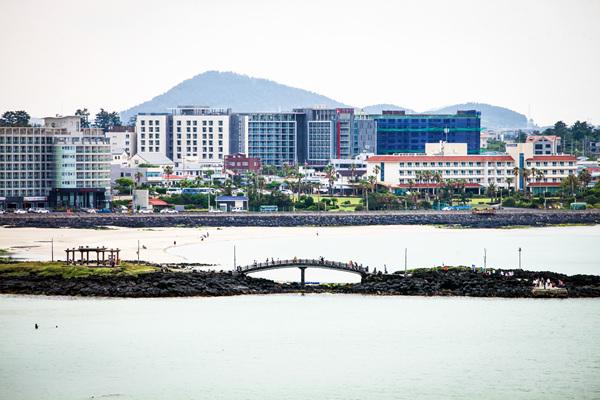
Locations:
column 124, row 185
column 526, row 174
column 584, row 178
column 168, row 171
column 106, row 120
column 138, row 177
column 570, row 184
column 15, row 118
column 85, row 117
column 517, row 172
column 509, row 180
column 491, row 191
column 331, row 175
column 496, row 145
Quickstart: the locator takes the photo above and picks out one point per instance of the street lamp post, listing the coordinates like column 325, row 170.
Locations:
column 520, row 258
column 485, row 259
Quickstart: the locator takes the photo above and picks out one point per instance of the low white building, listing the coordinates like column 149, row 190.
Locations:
column 476, row 171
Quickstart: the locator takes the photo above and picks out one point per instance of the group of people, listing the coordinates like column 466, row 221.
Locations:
column 541, row 283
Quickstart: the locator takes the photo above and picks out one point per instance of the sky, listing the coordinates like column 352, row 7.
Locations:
column 541, row 58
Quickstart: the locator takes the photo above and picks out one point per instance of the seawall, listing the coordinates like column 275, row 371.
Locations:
column 503, row 218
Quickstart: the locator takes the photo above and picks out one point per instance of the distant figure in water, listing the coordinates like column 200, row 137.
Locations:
column 144, row 246
column 36, row 326
column 174, row 243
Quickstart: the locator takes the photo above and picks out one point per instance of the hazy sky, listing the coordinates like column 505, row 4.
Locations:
column 540, row 58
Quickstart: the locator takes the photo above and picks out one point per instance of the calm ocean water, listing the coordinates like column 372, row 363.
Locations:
column 299, row 347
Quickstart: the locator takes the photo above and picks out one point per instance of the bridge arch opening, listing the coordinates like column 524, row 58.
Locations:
column 306, row 271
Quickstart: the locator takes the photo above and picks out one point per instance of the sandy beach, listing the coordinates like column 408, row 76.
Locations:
column 156, row 244
column 379, row 246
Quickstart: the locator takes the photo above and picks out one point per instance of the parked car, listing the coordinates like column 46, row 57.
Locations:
column 238, row 210
column 2, row 212
column 90, row 211
column 104, row 211
column 168, row 211
column 20, row 211
column 215, row 210
column 287, row 192
column 42, row 211
column 145, row 211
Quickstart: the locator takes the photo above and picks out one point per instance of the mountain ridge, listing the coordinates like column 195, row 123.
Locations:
column 243, row 93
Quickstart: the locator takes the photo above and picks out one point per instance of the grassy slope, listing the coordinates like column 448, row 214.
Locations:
column 69, row 271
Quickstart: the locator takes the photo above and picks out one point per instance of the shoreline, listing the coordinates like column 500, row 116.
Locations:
column 503, row 218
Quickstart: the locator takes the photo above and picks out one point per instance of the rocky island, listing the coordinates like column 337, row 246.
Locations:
column 133, row 280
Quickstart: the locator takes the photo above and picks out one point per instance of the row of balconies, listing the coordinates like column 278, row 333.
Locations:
column 456, row 164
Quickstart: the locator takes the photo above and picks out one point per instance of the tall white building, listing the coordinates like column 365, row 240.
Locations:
column 199, row 134
column 153, row 135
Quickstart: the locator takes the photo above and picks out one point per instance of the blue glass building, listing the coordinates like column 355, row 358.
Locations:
column 398, row 132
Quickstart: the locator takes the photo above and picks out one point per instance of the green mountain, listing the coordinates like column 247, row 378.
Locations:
column 492, row 117
column 241, row 93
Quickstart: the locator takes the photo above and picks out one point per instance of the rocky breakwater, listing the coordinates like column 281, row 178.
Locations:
column 503, row 218
column 455, row 282
column 156, row 284
column 464, row 282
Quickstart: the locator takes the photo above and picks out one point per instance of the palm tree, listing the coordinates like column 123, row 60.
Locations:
column 491, row 191
column 526, row 174
column 331, row 176
column 376, row 171
column 584, row 178
column 570, row 184
column 364, row 184
column 168, row 171
column 509, row 180
column 138, row 177
column 516, row 172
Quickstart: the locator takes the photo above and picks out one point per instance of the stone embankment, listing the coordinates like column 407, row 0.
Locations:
column 174, row 284
column 503, row 218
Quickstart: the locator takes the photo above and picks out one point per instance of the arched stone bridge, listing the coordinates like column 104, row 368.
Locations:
column 302, row 264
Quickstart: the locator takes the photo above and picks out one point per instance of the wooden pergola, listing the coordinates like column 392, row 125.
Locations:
column 101, row 259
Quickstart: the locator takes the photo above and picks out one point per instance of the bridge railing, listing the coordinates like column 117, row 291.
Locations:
column 300, row 262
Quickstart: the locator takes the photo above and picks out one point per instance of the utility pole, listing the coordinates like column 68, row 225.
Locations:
column 405, row 260
column 234, row 259
column 520, row 258
column 485, row 258
column 52, row 248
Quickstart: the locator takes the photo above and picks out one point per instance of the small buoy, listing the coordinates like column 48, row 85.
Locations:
column 36, row 326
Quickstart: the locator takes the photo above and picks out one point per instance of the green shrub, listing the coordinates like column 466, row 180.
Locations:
column 424, row 204
column 509, row 202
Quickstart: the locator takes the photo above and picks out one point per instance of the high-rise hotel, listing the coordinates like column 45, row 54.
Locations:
column 57, row 165
column 187, row 134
